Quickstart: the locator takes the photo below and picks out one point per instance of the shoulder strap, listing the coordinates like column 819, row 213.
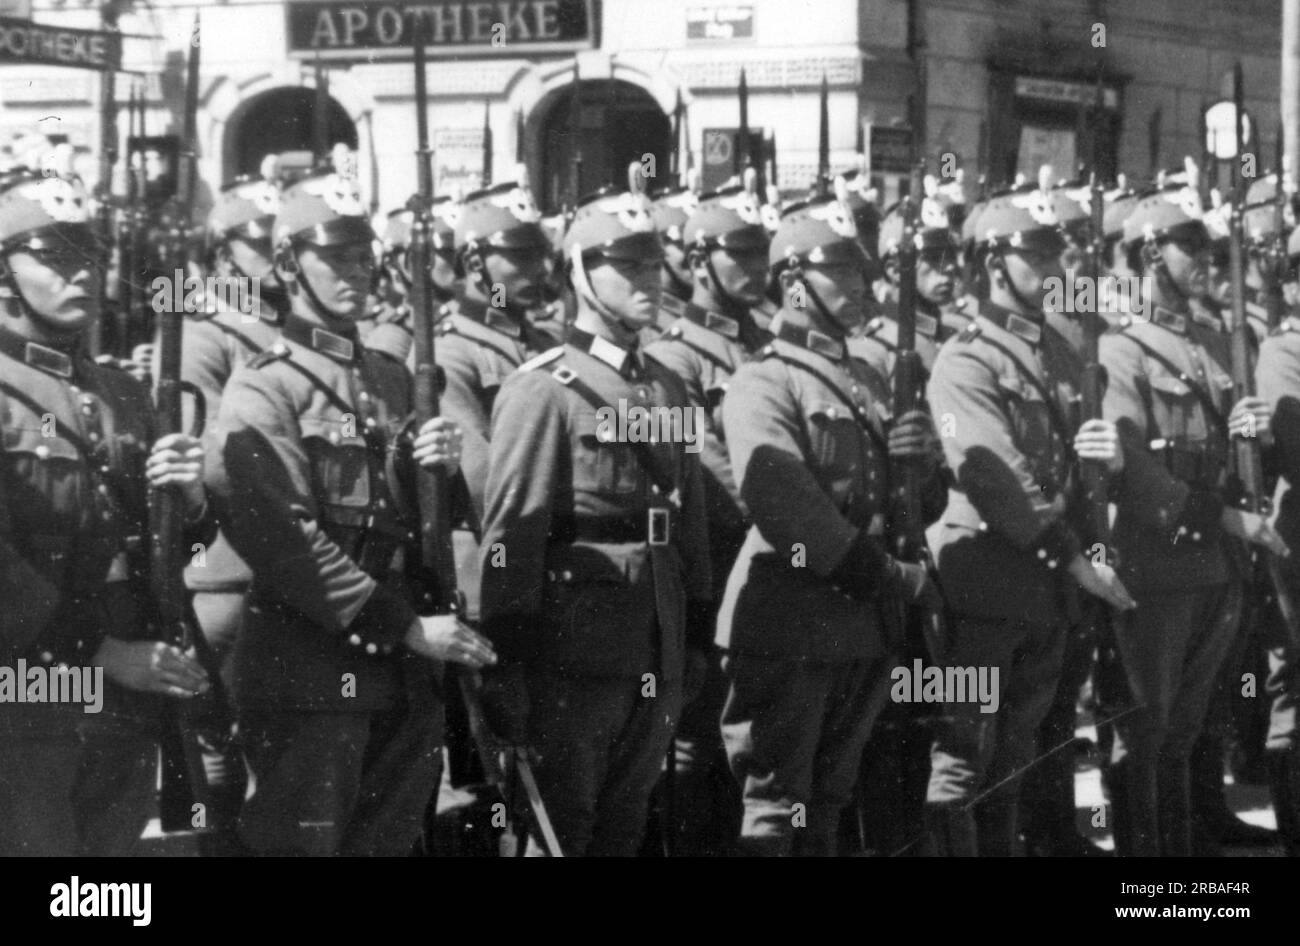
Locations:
column 239, row 336
column 1202, row 395
column 510, row 357
column 644, row 455
column 1053, row 408
column 702, row 352
column 319, row 385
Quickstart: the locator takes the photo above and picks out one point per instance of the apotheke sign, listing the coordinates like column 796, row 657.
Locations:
column 339, row 29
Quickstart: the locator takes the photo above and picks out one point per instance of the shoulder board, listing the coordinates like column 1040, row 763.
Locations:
column 445, row 327
column 767, row 351
column 542, row 360
column 276, row 352
column 874, row 326
column 674, row 332
column 108, row 361
column 970, row 332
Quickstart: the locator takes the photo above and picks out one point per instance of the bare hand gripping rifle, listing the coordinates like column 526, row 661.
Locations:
column 438, row 591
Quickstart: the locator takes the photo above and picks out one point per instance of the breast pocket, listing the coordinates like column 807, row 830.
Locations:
column 601, row 462
column 1177, row 410
column 836, row 442
column 1030, row 415
column 43, row 477
column 339, row 461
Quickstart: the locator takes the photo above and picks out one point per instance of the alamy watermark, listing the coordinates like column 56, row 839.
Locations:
column 922, row 684
column 182, row 293
column 1109, row 294
column 38, row 684
column 653, row 424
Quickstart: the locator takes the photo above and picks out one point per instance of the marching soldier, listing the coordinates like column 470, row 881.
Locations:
column 727, row 247
column 79, row 460
column 1169, row 397
column 595, row 544
column 392, row 333
column 1009, row 555
column 936, row 286
column 805, row 427
column 670, row 209
column 1278, row 377
column 336, row 677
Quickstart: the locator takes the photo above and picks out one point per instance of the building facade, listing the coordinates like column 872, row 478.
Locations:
column 575, row 89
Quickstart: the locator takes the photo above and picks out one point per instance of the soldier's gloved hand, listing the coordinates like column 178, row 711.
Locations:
column 1254, row 528
column 912, row 437
column 1099, row 440
column 912, row 583
column 438, row 443
column 1252, row 417
column 1102, row 582
column 443, row 637
column 178, row 459
column 505, row 703
column 152, row 667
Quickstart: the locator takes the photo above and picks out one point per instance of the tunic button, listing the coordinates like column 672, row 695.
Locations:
column 102, row 489
column 1042, row 553
column 334, row 436
column 93, row 437
column 355, row 640
column 1196, row 537
column 364, row 396
column 42, row 452
column 370, row 423
column 381, row 504
column 1051, row 563
column 568, row 575
column 47, row 657
column 106, row 469
column 371, row 648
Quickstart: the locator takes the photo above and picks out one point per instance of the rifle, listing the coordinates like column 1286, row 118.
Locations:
column 320, row 115
column 1093, row 473
column 203, row 722
column 906, row 526
column 1249, row 472
column 487, row 143
column 743, row 158
column 1276, row 270
column 823, row 182
column 438, row 593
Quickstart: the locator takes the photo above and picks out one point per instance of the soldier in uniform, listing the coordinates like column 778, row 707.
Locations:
column 936, row 286
column 727, row 252
column 1278, row 378
column 1169, row 396
column 393, row 332
column 806, row 434
column 1009, row 555
column 79, row 458
column 335, row 675
column 595, row 544
column 670, row 209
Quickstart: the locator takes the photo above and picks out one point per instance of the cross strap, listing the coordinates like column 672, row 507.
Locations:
column 1202, row 395
column 858, row 415
column 1053, row 408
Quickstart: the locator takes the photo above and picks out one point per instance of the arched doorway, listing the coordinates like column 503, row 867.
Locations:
column 276, row 121
column 608, row 124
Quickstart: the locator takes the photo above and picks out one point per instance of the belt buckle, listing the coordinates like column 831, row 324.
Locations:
column 657, row 525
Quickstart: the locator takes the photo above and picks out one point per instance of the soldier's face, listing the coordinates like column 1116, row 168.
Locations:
column 742, row 273
column 254, row 259
column 1188, row 262
column 675, row 259
column 842, row 288
column 936, row 275
column 630, row 288
column 518, row 274
column 339, row 275
column 1030, row 269
column 60, row 284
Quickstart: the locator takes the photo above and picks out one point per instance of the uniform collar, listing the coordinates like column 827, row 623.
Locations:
column 713, row 321
column 1015, row 323
column 341, row 348
column 622, row 360
column 926, row 325
column 496, row 319
column 813, row 340
column 43, row 357
column 1207, row 318
column 1168, row 319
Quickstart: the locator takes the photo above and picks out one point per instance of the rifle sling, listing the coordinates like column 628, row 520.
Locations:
column 1202, row 395
column 239, row 336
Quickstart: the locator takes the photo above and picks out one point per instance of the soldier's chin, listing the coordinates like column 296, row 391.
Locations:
column 640, row 313
column 74, row 315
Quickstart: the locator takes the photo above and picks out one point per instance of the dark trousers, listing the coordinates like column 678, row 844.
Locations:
column 794, row 732
column 1047, row 801
column 1171, row 648
column 978, row 752
column 600, row 744
column 74, row 784
column 351, row 784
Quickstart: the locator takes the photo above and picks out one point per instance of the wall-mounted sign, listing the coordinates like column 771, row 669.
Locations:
column 1055, row 90
column 342, row 29
column 714, row 23
column 891, row 150
column 28, row 42
column 17, row 9
column 457, row 160
column 1221, row 129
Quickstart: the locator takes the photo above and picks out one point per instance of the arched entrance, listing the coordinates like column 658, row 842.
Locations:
column 276, row 121
column 608, row 124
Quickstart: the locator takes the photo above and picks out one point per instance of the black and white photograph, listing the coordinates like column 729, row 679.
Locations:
column 657, row 429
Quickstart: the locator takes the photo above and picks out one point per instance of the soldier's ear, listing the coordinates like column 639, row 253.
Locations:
column 286, row 266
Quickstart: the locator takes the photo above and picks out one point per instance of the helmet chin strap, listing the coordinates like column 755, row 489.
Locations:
column 729, row 302
column 820, row 306
column 1016, row 294
column 583, row 285
column 314, row 299
column 1154, row 257
column 681, row 287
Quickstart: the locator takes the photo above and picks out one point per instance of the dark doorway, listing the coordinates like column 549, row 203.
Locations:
column 281, row 120
column 607, row 125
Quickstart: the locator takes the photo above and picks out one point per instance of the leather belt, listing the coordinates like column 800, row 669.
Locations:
column 655, row 528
